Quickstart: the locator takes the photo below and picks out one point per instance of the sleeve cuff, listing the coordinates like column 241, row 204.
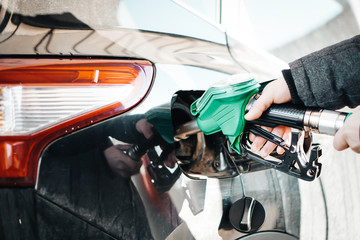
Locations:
column 291, row 85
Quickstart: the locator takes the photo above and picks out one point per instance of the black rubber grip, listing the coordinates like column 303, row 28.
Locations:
column 283, row 114
column 138, row 150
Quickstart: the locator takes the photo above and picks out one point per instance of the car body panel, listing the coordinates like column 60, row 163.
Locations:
column 77, row 195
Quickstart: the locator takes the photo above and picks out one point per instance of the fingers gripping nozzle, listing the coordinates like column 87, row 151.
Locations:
column 300, row 117
column 221, row 110
column 300, row 158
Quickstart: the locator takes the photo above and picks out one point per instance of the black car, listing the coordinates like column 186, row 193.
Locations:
column 87, row 116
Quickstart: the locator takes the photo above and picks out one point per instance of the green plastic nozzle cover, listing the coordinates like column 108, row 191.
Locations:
column 222, row 108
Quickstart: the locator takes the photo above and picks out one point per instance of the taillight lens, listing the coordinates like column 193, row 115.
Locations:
column 43, row 99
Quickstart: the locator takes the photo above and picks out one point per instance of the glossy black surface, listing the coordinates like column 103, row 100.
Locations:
column 82, row 190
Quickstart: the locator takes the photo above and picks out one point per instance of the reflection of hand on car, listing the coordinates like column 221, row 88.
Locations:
column 121, row 163
column 116, row 155
column 145, row 128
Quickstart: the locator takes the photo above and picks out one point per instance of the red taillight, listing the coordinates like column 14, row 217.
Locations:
column 43, row 99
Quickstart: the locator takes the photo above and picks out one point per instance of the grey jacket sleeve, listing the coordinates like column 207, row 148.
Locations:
column 329, row 78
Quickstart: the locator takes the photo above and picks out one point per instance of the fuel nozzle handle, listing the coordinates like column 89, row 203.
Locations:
column 310, row 119
column 138, row 150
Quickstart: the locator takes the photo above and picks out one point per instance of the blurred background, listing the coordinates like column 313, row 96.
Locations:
column 291, row 29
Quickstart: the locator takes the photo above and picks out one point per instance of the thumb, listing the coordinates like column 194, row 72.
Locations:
column 146, row 128
column 339, row 141
column 259, row 106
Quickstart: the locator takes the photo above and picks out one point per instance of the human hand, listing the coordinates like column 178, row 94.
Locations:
column 278, row 92
column 266, row 147
column 121, row 163
column 145, row 128
column 349, row 134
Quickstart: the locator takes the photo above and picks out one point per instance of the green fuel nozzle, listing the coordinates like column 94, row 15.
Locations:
column 222, row 107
